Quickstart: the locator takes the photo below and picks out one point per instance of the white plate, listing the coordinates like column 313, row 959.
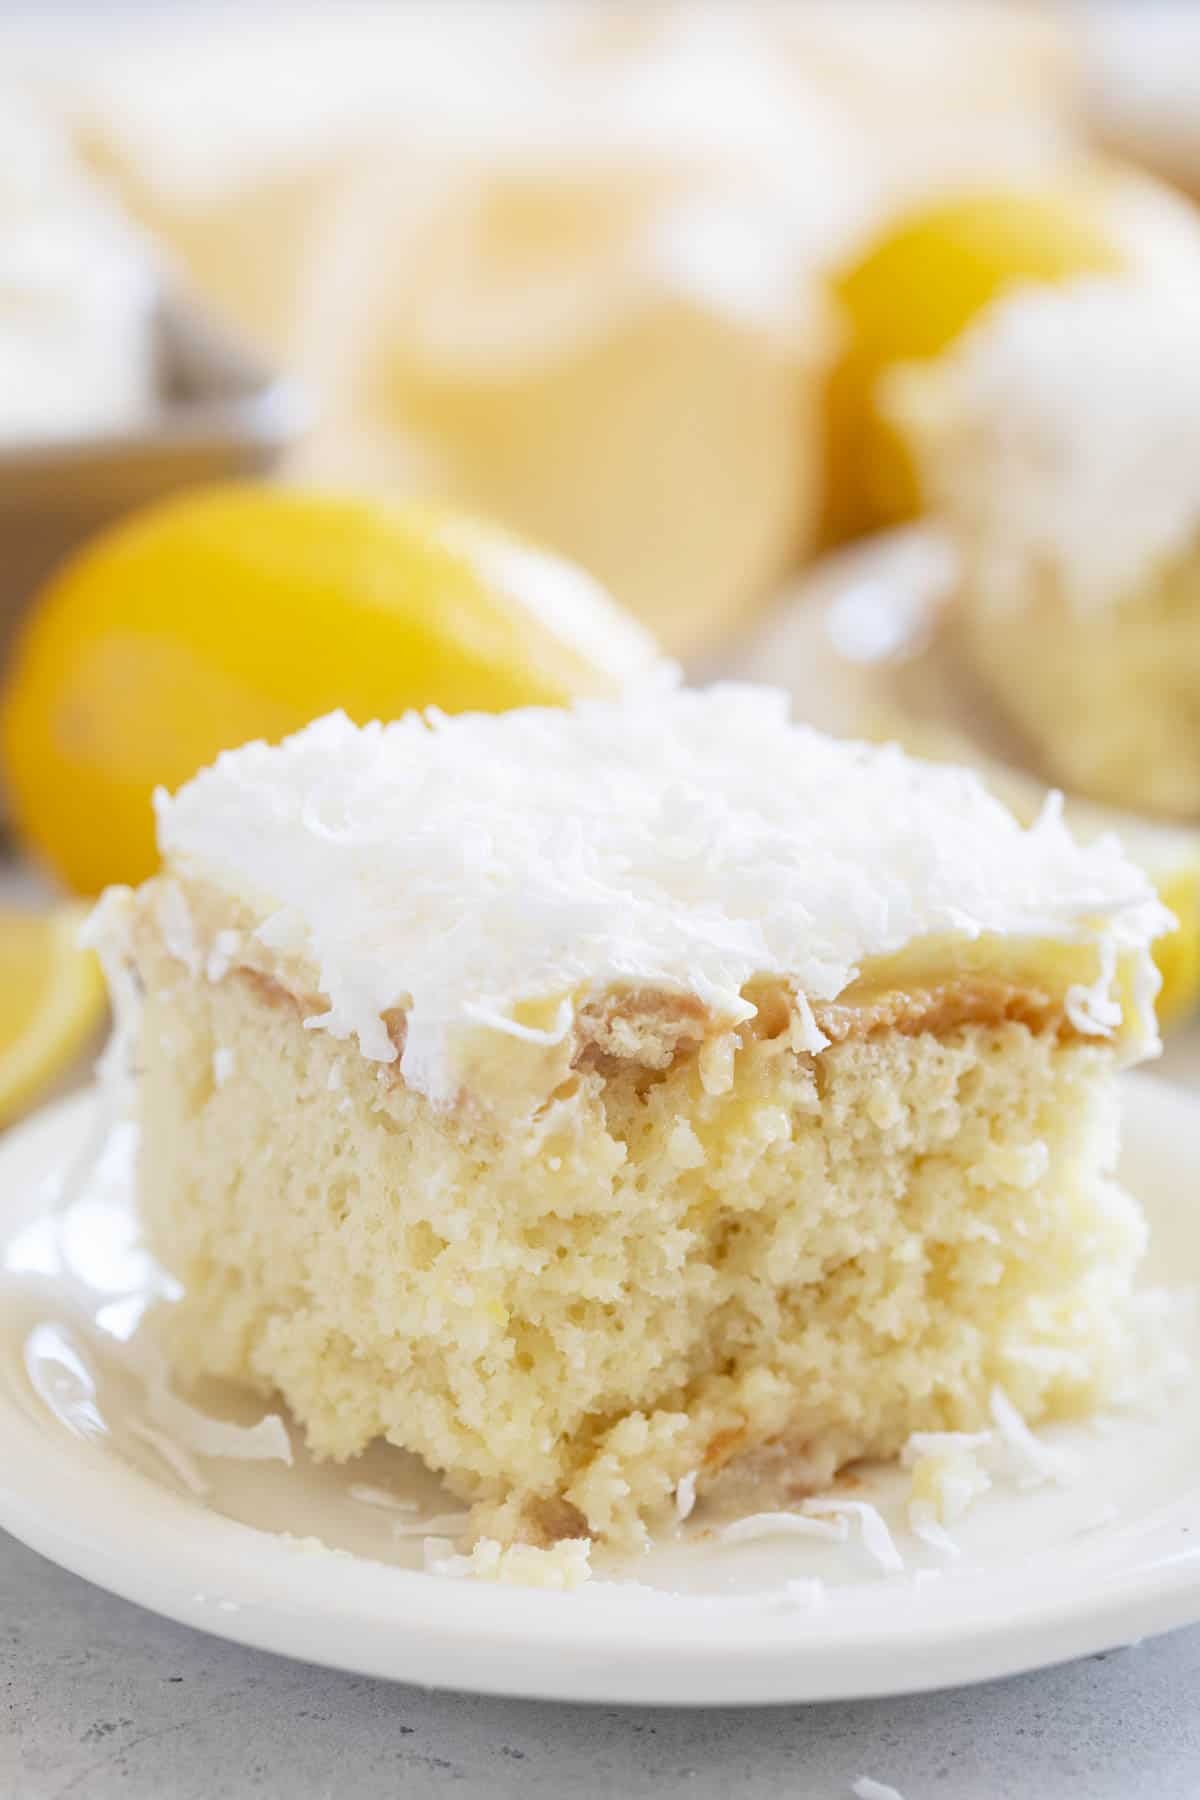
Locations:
column 1042, row 1577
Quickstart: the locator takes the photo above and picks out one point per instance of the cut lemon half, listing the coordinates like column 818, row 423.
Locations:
column 51, row 1003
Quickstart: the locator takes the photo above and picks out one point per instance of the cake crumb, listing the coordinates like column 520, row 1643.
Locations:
column 949, row 1483
column 313, row 1546
column 563, row 1567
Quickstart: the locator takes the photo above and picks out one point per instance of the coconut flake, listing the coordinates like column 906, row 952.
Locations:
column 1106, row 1515
column 940, row 1443
column 783, row 1524
column 267, row 1441
column 225, row 947
column 951, row 1482
column 685, row 1494
column 177, row 927
column 877, row 1539
column 867, row 1789
column 374, row 1496
column 442, row 1525
column 1036, row 1463
column 925, row 1524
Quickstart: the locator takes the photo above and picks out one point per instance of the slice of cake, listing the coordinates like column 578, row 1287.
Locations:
column 593, row 1101
column 1059, row 441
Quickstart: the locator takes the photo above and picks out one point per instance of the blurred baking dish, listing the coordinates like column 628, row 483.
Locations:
column 216, row 413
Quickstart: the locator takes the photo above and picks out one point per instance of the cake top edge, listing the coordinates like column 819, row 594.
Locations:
column 457, row 869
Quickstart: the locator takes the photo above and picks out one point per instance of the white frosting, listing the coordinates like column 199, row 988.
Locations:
column 680, row 839
column 1062, row 434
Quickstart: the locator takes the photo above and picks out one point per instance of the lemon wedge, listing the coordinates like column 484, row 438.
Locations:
column 52, row 1006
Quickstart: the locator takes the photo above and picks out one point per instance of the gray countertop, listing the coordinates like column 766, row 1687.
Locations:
column 101, row 1701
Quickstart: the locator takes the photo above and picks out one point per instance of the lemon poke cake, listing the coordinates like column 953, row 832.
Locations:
column 606, row 1101
column 1059, row 441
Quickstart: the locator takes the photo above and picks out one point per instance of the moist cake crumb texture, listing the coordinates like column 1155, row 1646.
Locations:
column 633, row 1097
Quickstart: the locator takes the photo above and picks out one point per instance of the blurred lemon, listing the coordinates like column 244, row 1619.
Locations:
column 241, row 612
column 910, row 295
column 51, row 1003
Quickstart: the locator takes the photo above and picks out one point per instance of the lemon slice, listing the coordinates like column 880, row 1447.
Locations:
column 51, row 1007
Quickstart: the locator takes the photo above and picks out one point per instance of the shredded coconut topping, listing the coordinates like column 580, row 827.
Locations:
column 1062, row 432
column 485, row 874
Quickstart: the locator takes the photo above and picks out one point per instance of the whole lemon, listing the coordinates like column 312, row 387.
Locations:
column 910, row 293
column 241, row 612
